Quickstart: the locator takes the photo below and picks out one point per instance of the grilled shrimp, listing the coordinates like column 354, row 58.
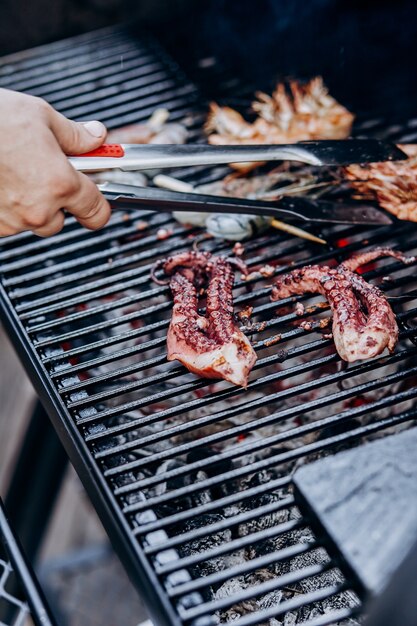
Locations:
column 301, row 113
column 392, row 184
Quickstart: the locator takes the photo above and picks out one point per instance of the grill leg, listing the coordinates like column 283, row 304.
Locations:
column 36, row 481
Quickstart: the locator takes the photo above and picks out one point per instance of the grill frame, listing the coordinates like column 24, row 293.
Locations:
column 34, row 605
column 144, row 576
column 99, row 492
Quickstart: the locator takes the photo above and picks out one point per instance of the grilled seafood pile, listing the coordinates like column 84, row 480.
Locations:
column 156, row 130
column 211, row 346
column 282, row 180
column 392, row 184
column 363, row 321
column 297, row 113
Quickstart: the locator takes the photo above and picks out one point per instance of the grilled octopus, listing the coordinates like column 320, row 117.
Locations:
column 363, row 321
column 211, row 346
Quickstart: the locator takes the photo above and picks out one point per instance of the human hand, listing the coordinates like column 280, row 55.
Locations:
column 37, row 182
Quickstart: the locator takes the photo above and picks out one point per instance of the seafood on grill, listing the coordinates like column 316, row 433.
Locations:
column 363, row 322
column 393, row 184
column 229, row 226
column 211, row 346
column 292, row 113
column 235, row 226
column 283, row 180
column 157, row 130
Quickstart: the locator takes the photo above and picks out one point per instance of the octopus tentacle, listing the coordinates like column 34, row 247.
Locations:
column 211, row 346
column 192, row 264
column 363, row 321
column 157, row 266
column 188, row 323
column 190, row 258
column 239, row 264
column 220, row 300
column 362, row 258
column 381, row 329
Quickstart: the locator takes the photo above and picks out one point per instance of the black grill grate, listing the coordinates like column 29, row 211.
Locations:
column 193, row 480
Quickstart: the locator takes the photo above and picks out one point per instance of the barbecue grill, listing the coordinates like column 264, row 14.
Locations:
column 193, row 480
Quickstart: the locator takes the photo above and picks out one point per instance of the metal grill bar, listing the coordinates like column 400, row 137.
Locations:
column 272, row 440
column 87, row 260
column 224, row 524
column 172, row 372
column 334, row 618
column 290, row 605
column 129, row 406
column 21, row 293
column 104, row 342
column 302, row 451
column 96, row 310
column 106, row 237
column 70, row 264
column 236, row 544
column 47, row 54
column 263, row 561
column 41, row 84
column 140, row 78
column 214, row 505
column 260, row 422
column 272, row 585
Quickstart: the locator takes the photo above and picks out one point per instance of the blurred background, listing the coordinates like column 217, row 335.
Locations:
column 363, row 48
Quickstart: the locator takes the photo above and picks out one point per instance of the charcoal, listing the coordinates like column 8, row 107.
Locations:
column 177, row 482
column 171, row 483
column 265, row 521
column 328, row 578
column 290, row 619
column 338, row 429
column 206, row 453
column 200, row 498
column 240, row 583
column 223, row 489
column 203, row 544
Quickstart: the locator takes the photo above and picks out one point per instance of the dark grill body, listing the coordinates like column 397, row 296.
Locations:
column 192, row 480
column 21, row 599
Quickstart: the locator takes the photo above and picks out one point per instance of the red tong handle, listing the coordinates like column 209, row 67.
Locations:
column 114, row 150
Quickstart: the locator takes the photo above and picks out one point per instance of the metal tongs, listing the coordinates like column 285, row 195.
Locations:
column 318, row 153
column 291, row 209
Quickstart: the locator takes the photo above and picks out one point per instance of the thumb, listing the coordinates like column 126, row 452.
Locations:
column 77, row 137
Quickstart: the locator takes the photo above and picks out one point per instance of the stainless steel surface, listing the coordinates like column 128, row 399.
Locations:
column 286, row 208
column 338, row 152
